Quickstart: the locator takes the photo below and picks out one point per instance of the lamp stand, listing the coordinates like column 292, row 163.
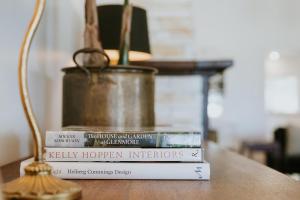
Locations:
column 38, row 183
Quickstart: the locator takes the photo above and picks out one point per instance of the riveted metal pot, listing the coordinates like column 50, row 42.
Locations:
column 119, row 96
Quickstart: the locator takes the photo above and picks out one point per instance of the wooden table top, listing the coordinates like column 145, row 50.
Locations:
column 232, row 177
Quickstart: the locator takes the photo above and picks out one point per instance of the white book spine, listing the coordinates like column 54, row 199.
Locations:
column 125, row 154
column 106, row 170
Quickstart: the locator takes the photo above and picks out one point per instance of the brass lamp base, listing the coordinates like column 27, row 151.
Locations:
column 39, row 184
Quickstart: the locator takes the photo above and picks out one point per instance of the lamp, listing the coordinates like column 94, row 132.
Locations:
column 38, row 182
column 110, row 21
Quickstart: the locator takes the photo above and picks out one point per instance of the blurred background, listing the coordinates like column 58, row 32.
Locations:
column 253, row 107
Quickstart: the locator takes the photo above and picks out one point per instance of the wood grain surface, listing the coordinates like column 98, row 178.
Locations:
column 232, row 177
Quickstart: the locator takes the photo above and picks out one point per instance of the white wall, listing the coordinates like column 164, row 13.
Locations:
column 14, row 132
column 57, row 37
column 245, row 31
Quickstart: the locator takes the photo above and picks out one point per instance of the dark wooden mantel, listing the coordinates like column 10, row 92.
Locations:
column 187, row 67
column 205, row 69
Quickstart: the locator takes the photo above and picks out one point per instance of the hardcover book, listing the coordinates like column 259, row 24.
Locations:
column 126, row 170
column 162, row 137
column 125, row 154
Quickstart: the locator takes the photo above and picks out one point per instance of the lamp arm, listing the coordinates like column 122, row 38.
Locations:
column 23, row 78
column 38, row 182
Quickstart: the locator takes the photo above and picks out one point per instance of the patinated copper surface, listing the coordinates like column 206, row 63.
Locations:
column 120, row 96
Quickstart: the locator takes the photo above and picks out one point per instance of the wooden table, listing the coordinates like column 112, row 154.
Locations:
column 232, row 177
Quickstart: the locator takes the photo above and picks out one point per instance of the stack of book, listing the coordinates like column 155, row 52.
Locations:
column 99, row 153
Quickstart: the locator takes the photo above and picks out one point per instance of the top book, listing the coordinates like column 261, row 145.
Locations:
column 156, row 137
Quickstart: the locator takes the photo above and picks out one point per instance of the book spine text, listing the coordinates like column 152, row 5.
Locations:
column 149, row 140
column 106, row 170
column 125, row 154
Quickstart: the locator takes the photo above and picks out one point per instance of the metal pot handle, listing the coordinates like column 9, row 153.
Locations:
column 90, row 50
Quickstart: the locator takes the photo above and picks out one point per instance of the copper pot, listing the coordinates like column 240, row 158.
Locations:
column 119, row 96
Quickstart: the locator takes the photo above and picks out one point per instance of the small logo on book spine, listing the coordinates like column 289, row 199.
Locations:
column 198, row 170
column 196, row 153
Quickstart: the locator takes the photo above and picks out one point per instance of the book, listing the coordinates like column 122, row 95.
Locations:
column 127, row 170
column 121, row 137
column 124, row 154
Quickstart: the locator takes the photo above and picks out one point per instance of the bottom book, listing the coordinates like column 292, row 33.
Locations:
column 127, row 170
